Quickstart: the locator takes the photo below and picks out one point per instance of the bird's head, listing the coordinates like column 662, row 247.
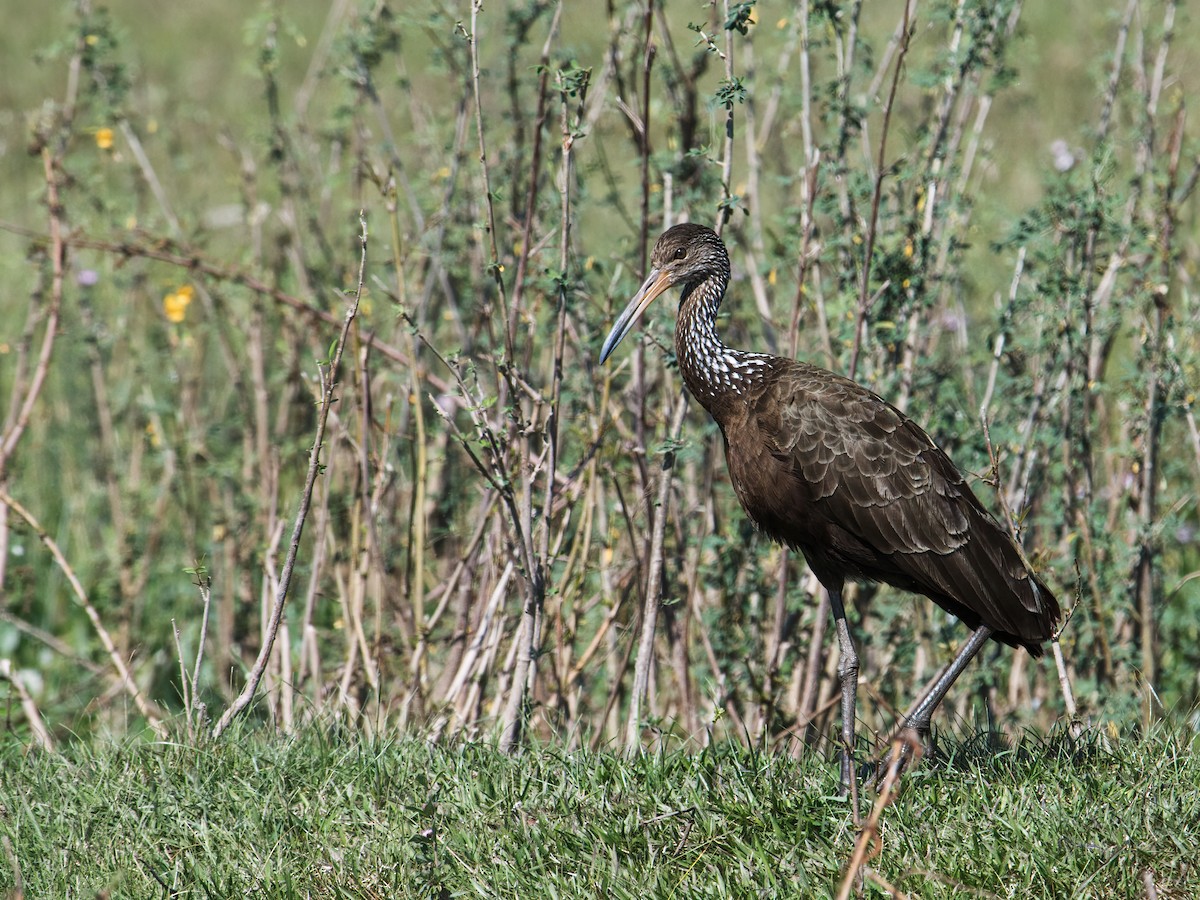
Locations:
column 685, row 255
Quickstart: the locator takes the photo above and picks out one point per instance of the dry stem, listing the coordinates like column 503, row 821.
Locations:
column 329, row 383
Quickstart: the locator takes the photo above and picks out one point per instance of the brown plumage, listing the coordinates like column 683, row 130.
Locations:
column 828, row 467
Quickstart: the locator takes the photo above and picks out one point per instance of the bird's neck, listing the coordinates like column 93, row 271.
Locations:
column 712, row 371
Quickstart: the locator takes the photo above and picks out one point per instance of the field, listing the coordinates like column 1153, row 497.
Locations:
column 328, row 814
column 333, row 562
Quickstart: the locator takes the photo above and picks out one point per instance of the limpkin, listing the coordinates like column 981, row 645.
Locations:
column 828, row 467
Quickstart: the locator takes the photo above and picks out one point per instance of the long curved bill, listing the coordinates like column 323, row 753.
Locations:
column 656, row 282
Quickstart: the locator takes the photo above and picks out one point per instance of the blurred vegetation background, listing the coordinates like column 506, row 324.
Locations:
column 180, row 239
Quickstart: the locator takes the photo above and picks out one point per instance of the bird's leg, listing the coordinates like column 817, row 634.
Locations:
column 918, row 717
column 848, row 676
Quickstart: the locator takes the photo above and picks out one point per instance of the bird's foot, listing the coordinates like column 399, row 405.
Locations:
column 906, row 748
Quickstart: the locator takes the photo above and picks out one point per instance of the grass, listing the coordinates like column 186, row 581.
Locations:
column 332, row 814
column 164, row 447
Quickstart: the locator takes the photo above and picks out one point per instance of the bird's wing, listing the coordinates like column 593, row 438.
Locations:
column 895, row 507
column 868, row 467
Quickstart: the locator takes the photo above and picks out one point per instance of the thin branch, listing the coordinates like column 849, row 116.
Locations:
column 41, row 734
column 869, row 841
column 175, row 254
column 329, row 377
column 204, row 583
column 865, row 301
column 8, row 442
column 125, row 678
column 641, row 671
column 494, row 267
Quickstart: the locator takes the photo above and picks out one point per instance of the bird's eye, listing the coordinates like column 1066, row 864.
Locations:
column 681, row 252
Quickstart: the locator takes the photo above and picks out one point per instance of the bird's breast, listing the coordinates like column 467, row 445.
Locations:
column 767, row 490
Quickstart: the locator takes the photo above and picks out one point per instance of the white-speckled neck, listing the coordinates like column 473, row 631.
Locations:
column 710, row 368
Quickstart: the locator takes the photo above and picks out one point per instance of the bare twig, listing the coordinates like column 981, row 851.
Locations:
column 725, row 211
column 14, row 864
column 641, row 672
column 535, row 165
column 906, row 748
column 196, row 709
column 173, row 254
column 865, row 300
column 1145, row 575
column 184, row 684
column 1149, row 885
column 495, row 269
column 57, row 644
column 329, row 380
column 41, row 734
column 8, row 441
column 125, row 678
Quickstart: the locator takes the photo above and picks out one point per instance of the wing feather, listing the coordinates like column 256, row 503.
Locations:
column 897, row 507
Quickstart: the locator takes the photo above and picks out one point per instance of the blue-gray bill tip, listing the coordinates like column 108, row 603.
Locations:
column 656, row 282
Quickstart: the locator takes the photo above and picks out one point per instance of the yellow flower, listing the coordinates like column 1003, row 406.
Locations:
column 175, row 304
column 104, row 138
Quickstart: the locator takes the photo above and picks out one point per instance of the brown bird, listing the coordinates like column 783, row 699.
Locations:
column 828, row 467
